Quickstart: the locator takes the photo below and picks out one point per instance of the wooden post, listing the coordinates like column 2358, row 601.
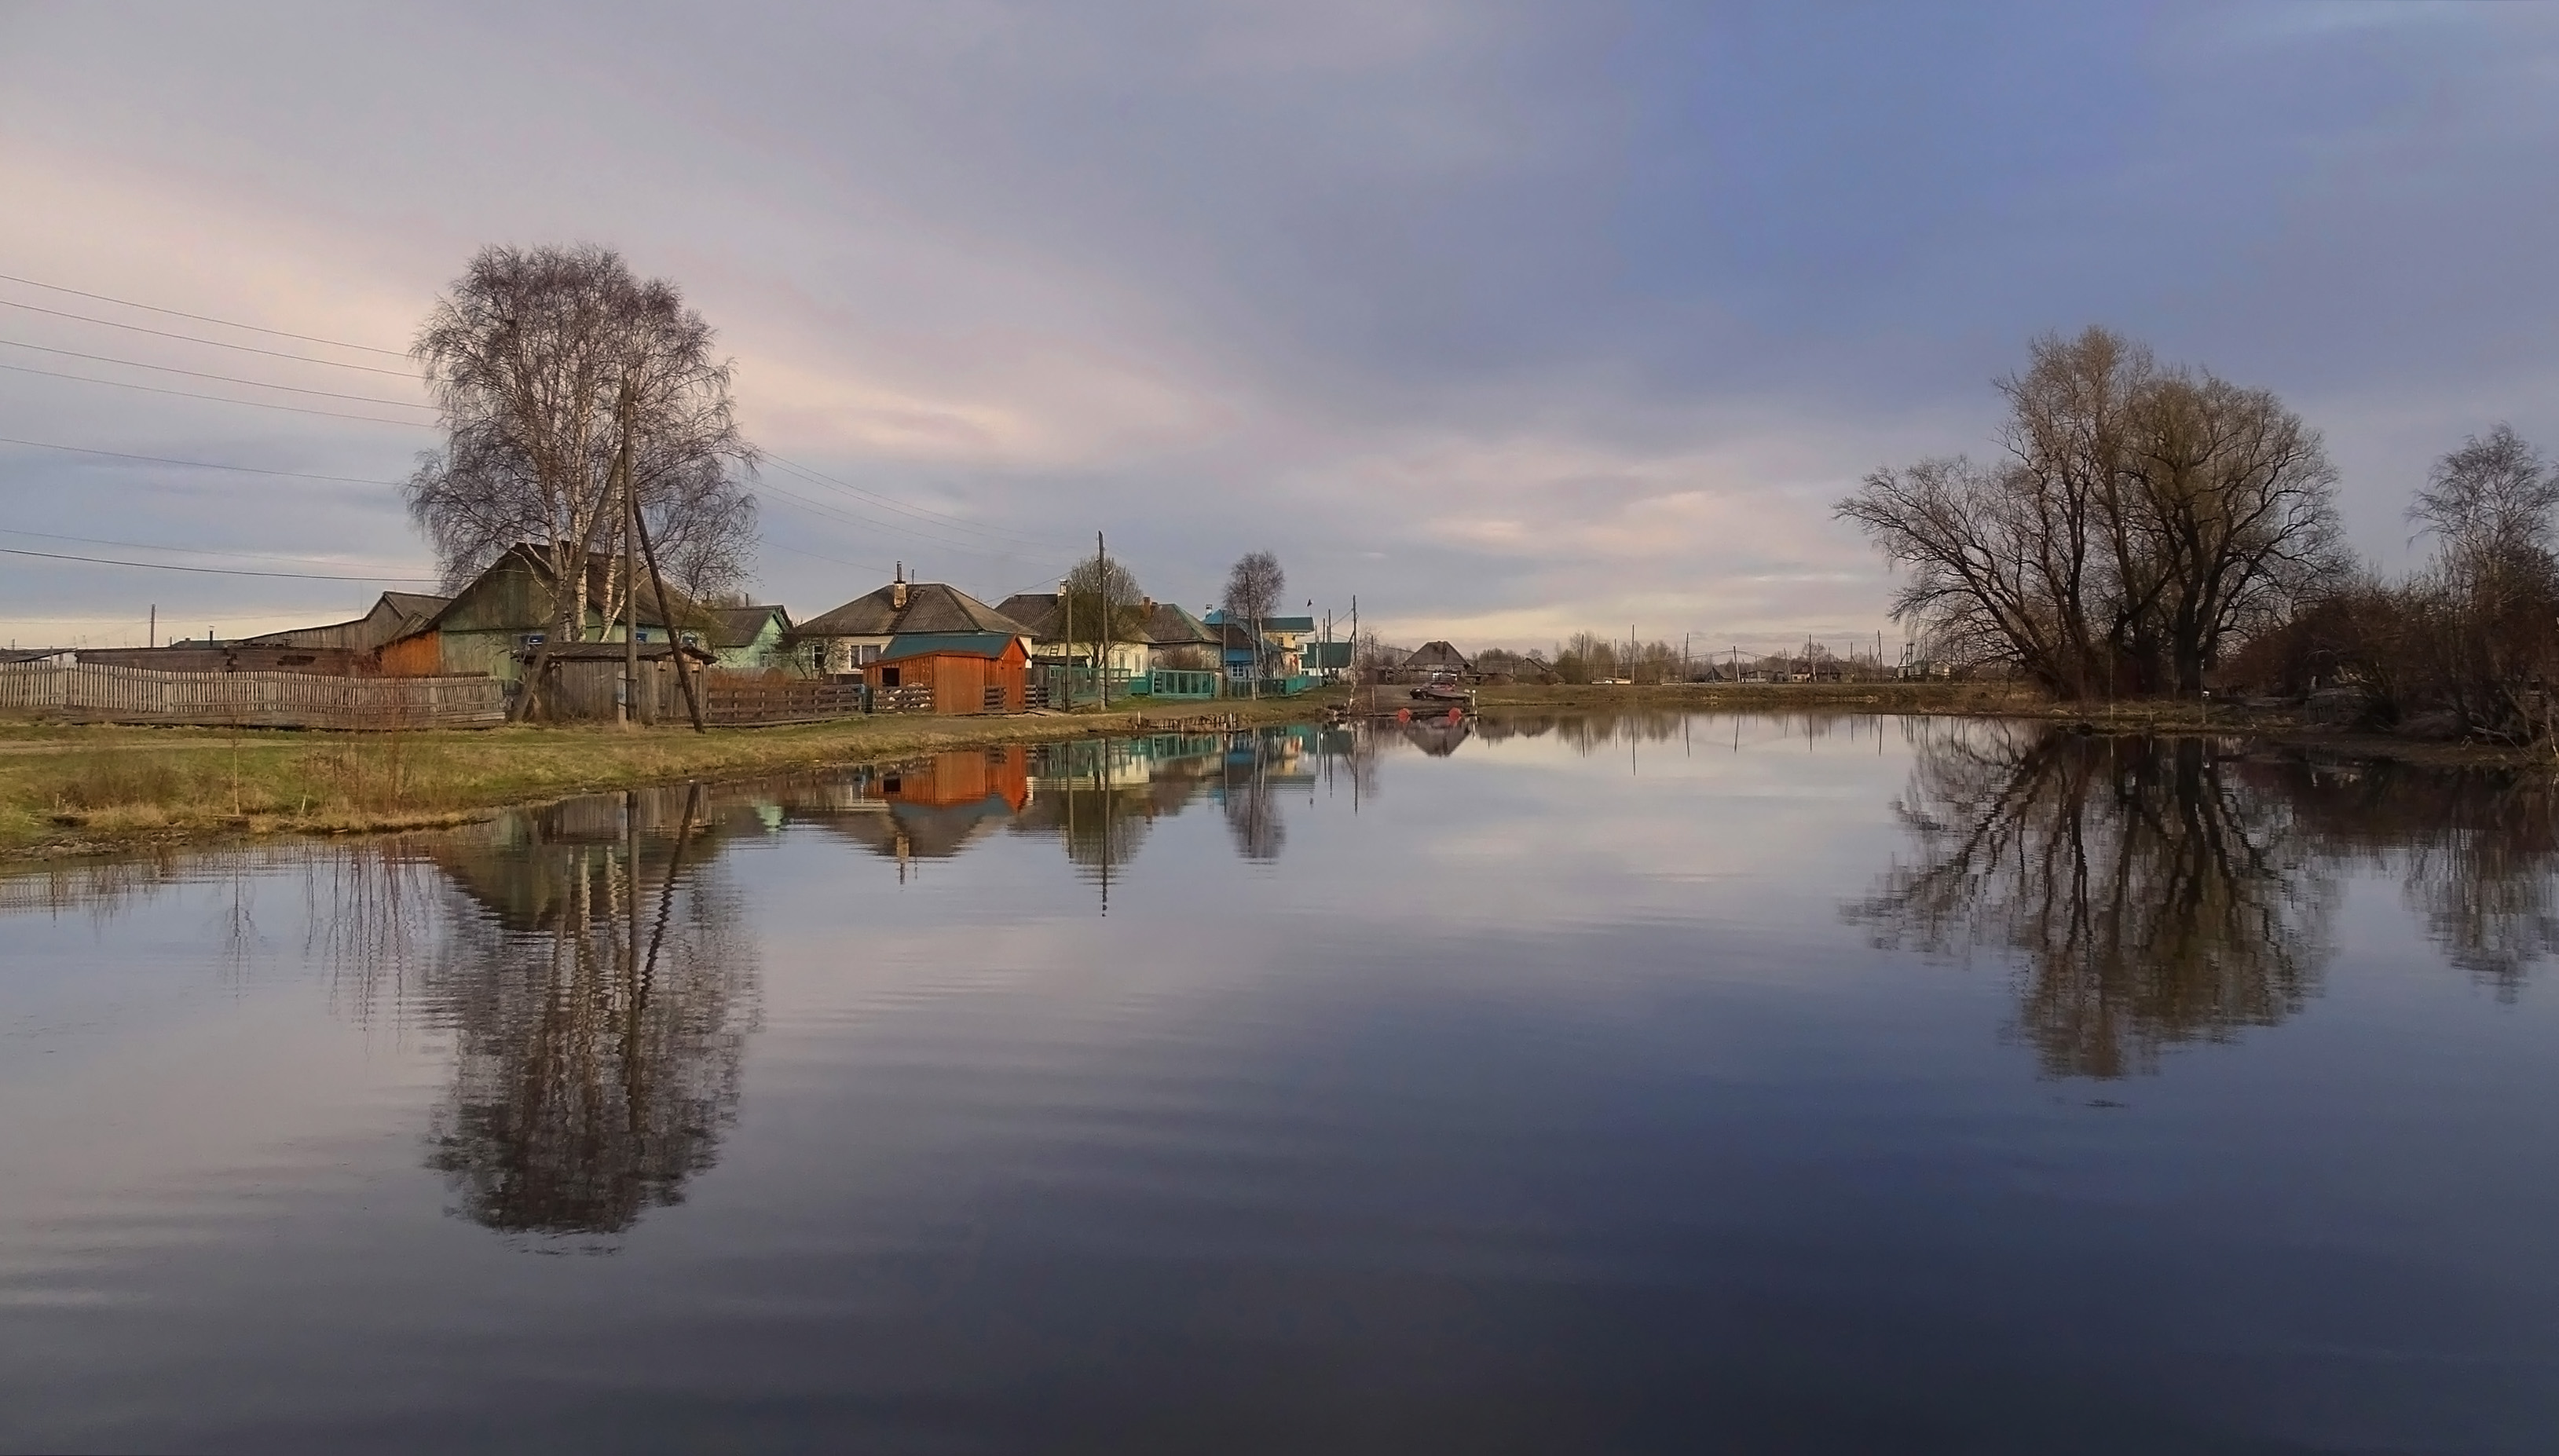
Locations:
column 683, row 669
column 630, row 707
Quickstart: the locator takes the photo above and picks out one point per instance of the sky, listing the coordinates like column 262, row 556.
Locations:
column 1508, row 320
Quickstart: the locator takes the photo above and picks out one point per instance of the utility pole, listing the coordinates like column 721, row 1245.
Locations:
column 155, row 624
column 1101, row 638
column 630, row 706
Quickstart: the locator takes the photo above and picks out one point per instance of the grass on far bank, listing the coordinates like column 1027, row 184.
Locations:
column 84, row 789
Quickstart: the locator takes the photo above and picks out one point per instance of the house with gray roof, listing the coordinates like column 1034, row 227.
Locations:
column 842, row 641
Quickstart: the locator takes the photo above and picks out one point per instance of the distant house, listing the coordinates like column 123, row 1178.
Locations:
column 493, row 624
column 843, row 641
column 1438, row 656
column 1176, row 639
column 1281, row 653
column 748, row 639
column 950, row 673
column 394, row 614
column 1044, row 616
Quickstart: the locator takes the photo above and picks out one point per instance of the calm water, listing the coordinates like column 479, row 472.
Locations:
column 1585, row 1084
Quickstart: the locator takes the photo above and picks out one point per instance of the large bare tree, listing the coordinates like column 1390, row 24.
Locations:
column 2141, row 517
column 555, row 368
column 1252, row 587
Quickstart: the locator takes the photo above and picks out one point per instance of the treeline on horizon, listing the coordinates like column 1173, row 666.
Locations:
column 2150, row 529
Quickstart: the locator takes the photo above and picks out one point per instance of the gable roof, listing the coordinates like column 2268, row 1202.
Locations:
column 1170, row 625
column 489, row 589
column 1044, row 616
column 1439, row 654
column 957, row 644
column 929, row 607
column 393, row 615
column 738, row 627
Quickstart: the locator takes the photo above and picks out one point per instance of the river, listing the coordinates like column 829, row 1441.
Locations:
column 1650, row 1082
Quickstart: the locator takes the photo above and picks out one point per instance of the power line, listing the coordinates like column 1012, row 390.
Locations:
column 200, row 318
column 182, row 550
column 132, row 364
column 295, row 475
column 919, row 532
column 213, row 570
column 841, row 514
column 919, row 511
column 835, row 560
column 216, row 399
column 215, row 342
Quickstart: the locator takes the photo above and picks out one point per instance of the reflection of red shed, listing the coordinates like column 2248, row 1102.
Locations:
column 953, row 672
column 962, row 777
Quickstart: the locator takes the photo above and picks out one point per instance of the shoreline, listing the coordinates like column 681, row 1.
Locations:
column 79, row 791
column 72, row 791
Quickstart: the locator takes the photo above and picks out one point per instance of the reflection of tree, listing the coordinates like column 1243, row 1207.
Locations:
column 1251, row 801
column 2478, row 853
column 600, row 1005
column 2155, row 899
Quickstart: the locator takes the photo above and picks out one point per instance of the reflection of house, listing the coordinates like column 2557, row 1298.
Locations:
column 748, row 639
column 1044, row 616
column 861, row 630
column 962, row 777
column 952, row 672
column 491, row 625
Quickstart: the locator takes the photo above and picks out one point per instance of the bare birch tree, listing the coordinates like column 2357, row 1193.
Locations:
column 542, row 362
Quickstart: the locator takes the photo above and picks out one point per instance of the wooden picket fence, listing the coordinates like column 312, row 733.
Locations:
column 91, row 694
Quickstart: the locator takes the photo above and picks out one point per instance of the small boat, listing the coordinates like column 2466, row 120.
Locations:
column 1444, row 688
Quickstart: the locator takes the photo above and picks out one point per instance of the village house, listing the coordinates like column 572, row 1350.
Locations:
column 842, row 643
column 1176, row 640
column 1044, row 616
column 748, row 639
column 492, row 626
column 1281, row 651
column 394, row 614
column 1438, row 656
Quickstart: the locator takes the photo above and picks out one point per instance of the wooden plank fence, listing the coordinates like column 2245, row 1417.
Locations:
column 91, row 694
column 743, row 699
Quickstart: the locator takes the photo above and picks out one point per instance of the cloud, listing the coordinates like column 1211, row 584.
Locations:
column 1512, row 320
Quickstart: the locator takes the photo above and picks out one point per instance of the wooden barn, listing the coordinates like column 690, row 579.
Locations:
column 951, row 673
column 581, row 680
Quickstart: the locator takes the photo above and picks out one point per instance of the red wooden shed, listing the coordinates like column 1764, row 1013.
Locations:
column 950, row 673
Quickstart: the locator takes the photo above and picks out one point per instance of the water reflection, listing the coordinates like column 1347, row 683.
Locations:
column 2164, row 891
column 600, row 1003
column 2155, row 897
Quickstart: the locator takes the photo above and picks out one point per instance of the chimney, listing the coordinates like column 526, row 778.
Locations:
column 897, row 590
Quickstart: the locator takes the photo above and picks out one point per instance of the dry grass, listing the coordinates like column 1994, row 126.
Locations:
column 80, row 789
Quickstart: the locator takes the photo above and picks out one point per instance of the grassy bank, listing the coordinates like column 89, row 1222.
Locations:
column 75, row 790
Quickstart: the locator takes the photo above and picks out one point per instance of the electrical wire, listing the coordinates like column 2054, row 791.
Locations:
column 135, row 364
column 215, row 342
column 840, row 515
column 294, row 475
column 182, row 550
column 919, row 511
column 214, row 570
column 216, row 399
column 917, row 532
column 198, row 317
